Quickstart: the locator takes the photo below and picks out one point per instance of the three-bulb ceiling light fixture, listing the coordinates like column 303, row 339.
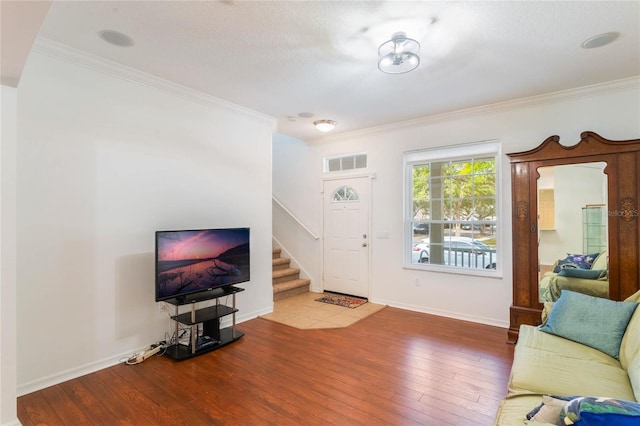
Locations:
column 399, row 55
column 324, row 125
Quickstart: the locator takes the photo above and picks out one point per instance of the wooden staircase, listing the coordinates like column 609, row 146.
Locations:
column 286, row 280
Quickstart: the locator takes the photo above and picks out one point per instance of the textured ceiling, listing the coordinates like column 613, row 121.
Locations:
column 281, row 58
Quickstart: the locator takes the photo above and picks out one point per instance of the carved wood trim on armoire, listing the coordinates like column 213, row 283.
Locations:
column 623, row 192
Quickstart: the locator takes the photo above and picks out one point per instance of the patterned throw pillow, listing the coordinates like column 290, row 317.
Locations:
column 576, row 261
column 586, row 411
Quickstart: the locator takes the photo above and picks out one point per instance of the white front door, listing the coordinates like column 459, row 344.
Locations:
column 346, row 236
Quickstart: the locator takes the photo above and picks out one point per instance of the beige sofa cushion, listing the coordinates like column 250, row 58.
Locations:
column 548, row 364
column 514, row 408
column 634, row 376
column 630, row 348
column 600, row 262
column 630, row 345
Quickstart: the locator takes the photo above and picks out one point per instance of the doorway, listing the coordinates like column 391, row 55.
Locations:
column 346, row 205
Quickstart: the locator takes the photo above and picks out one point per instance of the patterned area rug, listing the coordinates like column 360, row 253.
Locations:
column 342, row 300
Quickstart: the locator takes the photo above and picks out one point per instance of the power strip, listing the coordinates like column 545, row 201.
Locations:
column 137, row 359
column 148, row 353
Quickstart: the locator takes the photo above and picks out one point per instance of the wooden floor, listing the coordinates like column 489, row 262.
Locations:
column 395, row 367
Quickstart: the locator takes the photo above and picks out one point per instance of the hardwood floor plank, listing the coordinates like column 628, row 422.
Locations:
column 316, row 384
column 112, row 383
column 65, row 407
column 87, row 402
column 34, row 408
column 394, row 367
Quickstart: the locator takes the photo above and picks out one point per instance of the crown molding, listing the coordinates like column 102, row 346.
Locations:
column 78, row 57
column 96, row 63
column 621, row 85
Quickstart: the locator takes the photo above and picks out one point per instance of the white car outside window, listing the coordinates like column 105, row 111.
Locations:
column 463, row 252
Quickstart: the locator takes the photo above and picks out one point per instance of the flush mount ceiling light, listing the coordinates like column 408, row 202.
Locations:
column 599, row 40
column 116, row 38
column 398, row 55
column 324, row 125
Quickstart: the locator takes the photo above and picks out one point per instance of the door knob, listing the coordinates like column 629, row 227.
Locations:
column 364, row 244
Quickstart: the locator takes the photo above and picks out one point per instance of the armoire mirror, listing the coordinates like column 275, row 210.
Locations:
column 622, row 171
column 572, row 228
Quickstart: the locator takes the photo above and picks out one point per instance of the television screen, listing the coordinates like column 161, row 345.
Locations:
column 199, row 260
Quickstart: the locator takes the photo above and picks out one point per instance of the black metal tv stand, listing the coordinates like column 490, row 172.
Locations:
column 212, row 336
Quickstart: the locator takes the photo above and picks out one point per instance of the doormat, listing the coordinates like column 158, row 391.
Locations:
column 342, row 300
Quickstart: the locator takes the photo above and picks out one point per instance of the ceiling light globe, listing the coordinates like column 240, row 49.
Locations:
column 386, row 61
column 324, row 125
column 398, row 55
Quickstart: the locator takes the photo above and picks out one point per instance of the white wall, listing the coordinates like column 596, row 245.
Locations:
column 103, row 163
column 299, row 244
column 611, row 110
column 8, row 380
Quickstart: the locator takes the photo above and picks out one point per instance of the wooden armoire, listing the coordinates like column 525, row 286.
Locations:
column 622, row 169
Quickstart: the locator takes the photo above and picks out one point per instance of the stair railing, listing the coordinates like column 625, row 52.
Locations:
column 295, row 218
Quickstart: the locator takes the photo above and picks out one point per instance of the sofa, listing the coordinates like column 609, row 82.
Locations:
column 585, row 276
column 550, row 372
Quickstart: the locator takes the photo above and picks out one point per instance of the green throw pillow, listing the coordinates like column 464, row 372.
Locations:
column 593, row 321
column 589, row 274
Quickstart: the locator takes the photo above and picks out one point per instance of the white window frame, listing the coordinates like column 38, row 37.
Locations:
column 489, row 148
column 343, row 158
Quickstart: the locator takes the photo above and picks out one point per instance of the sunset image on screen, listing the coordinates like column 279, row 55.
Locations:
column 191, row 261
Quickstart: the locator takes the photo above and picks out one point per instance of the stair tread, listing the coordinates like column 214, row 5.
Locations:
column 288, row 285
column 280, row 261
column 284, row 272
column 286, row 281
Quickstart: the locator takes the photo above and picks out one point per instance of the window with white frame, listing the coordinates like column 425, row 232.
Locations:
column 345, row 162
column 451, row 208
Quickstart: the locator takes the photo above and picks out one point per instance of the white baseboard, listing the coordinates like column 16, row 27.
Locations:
column 226, row 322
column 443, row 313
column 74, row 373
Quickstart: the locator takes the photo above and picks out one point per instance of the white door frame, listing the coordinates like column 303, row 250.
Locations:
column 346, row 179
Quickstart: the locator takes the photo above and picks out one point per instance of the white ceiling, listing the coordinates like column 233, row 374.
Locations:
column 19, row 25
column 282, row 58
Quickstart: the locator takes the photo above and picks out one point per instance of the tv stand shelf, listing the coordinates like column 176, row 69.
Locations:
column 212, row 336
column 204, row 315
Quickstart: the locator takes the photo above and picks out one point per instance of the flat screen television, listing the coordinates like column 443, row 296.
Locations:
column 194, row 261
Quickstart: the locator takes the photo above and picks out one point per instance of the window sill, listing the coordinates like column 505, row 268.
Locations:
column 490, row 273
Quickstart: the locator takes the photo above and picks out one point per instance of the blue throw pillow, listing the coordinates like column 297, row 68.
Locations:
column 589, row 274
column 593, row 321
column 576, row 261
column 592, row 411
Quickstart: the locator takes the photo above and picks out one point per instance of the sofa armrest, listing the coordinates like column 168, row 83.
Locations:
column 598, row 288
